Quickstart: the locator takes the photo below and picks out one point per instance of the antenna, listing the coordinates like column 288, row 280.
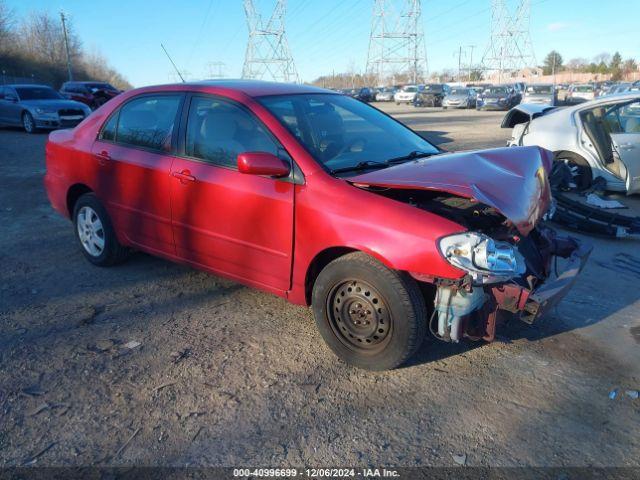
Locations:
column 396, row 43
column 174, row 65
column 267, row 49
column 510, row 47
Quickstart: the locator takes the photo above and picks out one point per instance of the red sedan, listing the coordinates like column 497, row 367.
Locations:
column 321, row 199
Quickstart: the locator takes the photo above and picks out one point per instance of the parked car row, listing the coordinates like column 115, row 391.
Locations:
column 40, row 107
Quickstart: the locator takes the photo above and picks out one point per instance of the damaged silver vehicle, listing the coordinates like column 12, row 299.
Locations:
column 600, row 138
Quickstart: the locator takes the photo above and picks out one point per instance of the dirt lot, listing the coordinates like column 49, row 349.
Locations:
column 226, row 375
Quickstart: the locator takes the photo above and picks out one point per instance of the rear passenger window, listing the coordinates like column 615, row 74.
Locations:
column 147, row 122
column 217, row 131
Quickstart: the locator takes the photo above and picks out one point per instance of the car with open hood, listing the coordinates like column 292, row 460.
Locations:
column 600, row 138
column 38, row 107
column 323, row 200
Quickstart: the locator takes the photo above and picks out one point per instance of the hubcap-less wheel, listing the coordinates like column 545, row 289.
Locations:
column 359, row 316
column 90, row 231
column 27, row 122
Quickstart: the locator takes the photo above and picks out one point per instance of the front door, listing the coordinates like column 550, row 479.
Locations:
column 623, row 121
column 133, row 157
column 225, row 221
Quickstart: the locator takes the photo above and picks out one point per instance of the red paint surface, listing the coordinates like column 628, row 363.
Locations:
column 264, row 231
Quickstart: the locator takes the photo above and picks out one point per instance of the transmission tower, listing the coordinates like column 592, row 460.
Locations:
column 510, row 47
column 396, row 44
column 268, row 53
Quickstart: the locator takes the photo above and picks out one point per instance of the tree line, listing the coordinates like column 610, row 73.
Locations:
column 34, row 47
column 603, row 63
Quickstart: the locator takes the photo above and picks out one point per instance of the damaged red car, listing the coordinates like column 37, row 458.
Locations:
column 323, row 200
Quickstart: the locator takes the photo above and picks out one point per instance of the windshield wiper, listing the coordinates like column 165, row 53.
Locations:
column 367, row 164
column 411, row 156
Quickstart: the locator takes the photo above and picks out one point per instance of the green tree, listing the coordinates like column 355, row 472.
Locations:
column 552, row 63
column 616, row 66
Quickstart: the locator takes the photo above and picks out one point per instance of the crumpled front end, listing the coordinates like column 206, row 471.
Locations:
column 469, row 309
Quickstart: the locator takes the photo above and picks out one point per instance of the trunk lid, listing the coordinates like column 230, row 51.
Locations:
column 514, row 180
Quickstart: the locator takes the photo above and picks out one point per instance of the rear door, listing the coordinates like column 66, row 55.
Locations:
column 232, row 223
column 134, row 153
column 626, row 141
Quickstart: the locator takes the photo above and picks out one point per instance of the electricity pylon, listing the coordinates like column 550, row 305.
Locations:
column 268, row 53
column 396, row 43
column 510, row 47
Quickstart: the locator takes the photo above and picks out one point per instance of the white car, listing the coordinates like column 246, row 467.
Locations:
column 406, row 94
column 578, row 93
column 600, row 138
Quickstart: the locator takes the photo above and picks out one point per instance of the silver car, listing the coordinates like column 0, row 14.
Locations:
column 599, row 138
column 460, row 97
column 542, row 94
column 35, row 107
column 386, row 94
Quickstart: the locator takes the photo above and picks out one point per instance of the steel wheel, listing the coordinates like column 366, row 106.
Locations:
column 359, row 316
column 90, row 231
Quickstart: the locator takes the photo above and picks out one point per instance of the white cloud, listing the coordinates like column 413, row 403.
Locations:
column 557, row 26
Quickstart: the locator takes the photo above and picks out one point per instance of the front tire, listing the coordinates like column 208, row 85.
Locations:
column 95, row 234
column 28, row 123
column 370, row 316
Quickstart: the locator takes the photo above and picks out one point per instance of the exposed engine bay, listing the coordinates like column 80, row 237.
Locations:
column 508, row 274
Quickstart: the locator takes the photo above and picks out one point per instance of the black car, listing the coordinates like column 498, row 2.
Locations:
column 365, row 94
column 431, row 95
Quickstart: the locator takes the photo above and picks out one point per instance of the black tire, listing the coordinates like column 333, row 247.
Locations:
column 584, row 174
column 112, row 252
column 370, row 316
column 28, row 123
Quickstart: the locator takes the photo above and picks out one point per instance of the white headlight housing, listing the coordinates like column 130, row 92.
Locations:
column 486, row 260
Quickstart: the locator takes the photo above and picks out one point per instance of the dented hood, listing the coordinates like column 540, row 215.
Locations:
column 511, row 180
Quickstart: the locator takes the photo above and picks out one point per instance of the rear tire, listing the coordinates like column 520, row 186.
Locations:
column 95, row 234
column 370, row 316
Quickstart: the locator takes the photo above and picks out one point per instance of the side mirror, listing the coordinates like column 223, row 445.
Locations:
column 262, row 163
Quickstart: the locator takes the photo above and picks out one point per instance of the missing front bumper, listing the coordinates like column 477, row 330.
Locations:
column 530, row 305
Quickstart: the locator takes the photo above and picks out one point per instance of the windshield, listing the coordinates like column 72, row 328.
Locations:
column 410, row 89
column 496, row 90
column 540, row 89
column 340, row 132
column 37, row 93
column 459, row 91
column 433, row 88
column 583, row 88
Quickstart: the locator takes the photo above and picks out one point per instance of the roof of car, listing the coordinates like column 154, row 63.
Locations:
column 25, row 85
column 259, row 88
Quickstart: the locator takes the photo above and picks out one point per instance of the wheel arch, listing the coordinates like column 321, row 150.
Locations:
column 74, row 193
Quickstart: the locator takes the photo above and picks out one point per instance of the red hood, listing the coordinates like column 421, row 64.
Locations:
column 511, row 180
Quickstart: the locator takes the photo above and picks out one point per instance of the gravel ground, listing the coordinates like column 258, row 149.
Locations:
column 226, row 375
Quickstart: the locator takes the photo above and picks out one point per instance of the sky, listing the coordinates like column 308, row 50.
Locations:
column 324, row 35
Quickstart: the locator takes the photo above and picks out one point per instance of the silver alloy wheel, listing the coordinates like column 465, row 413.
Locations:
column 27, row 123
column 90, row 231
